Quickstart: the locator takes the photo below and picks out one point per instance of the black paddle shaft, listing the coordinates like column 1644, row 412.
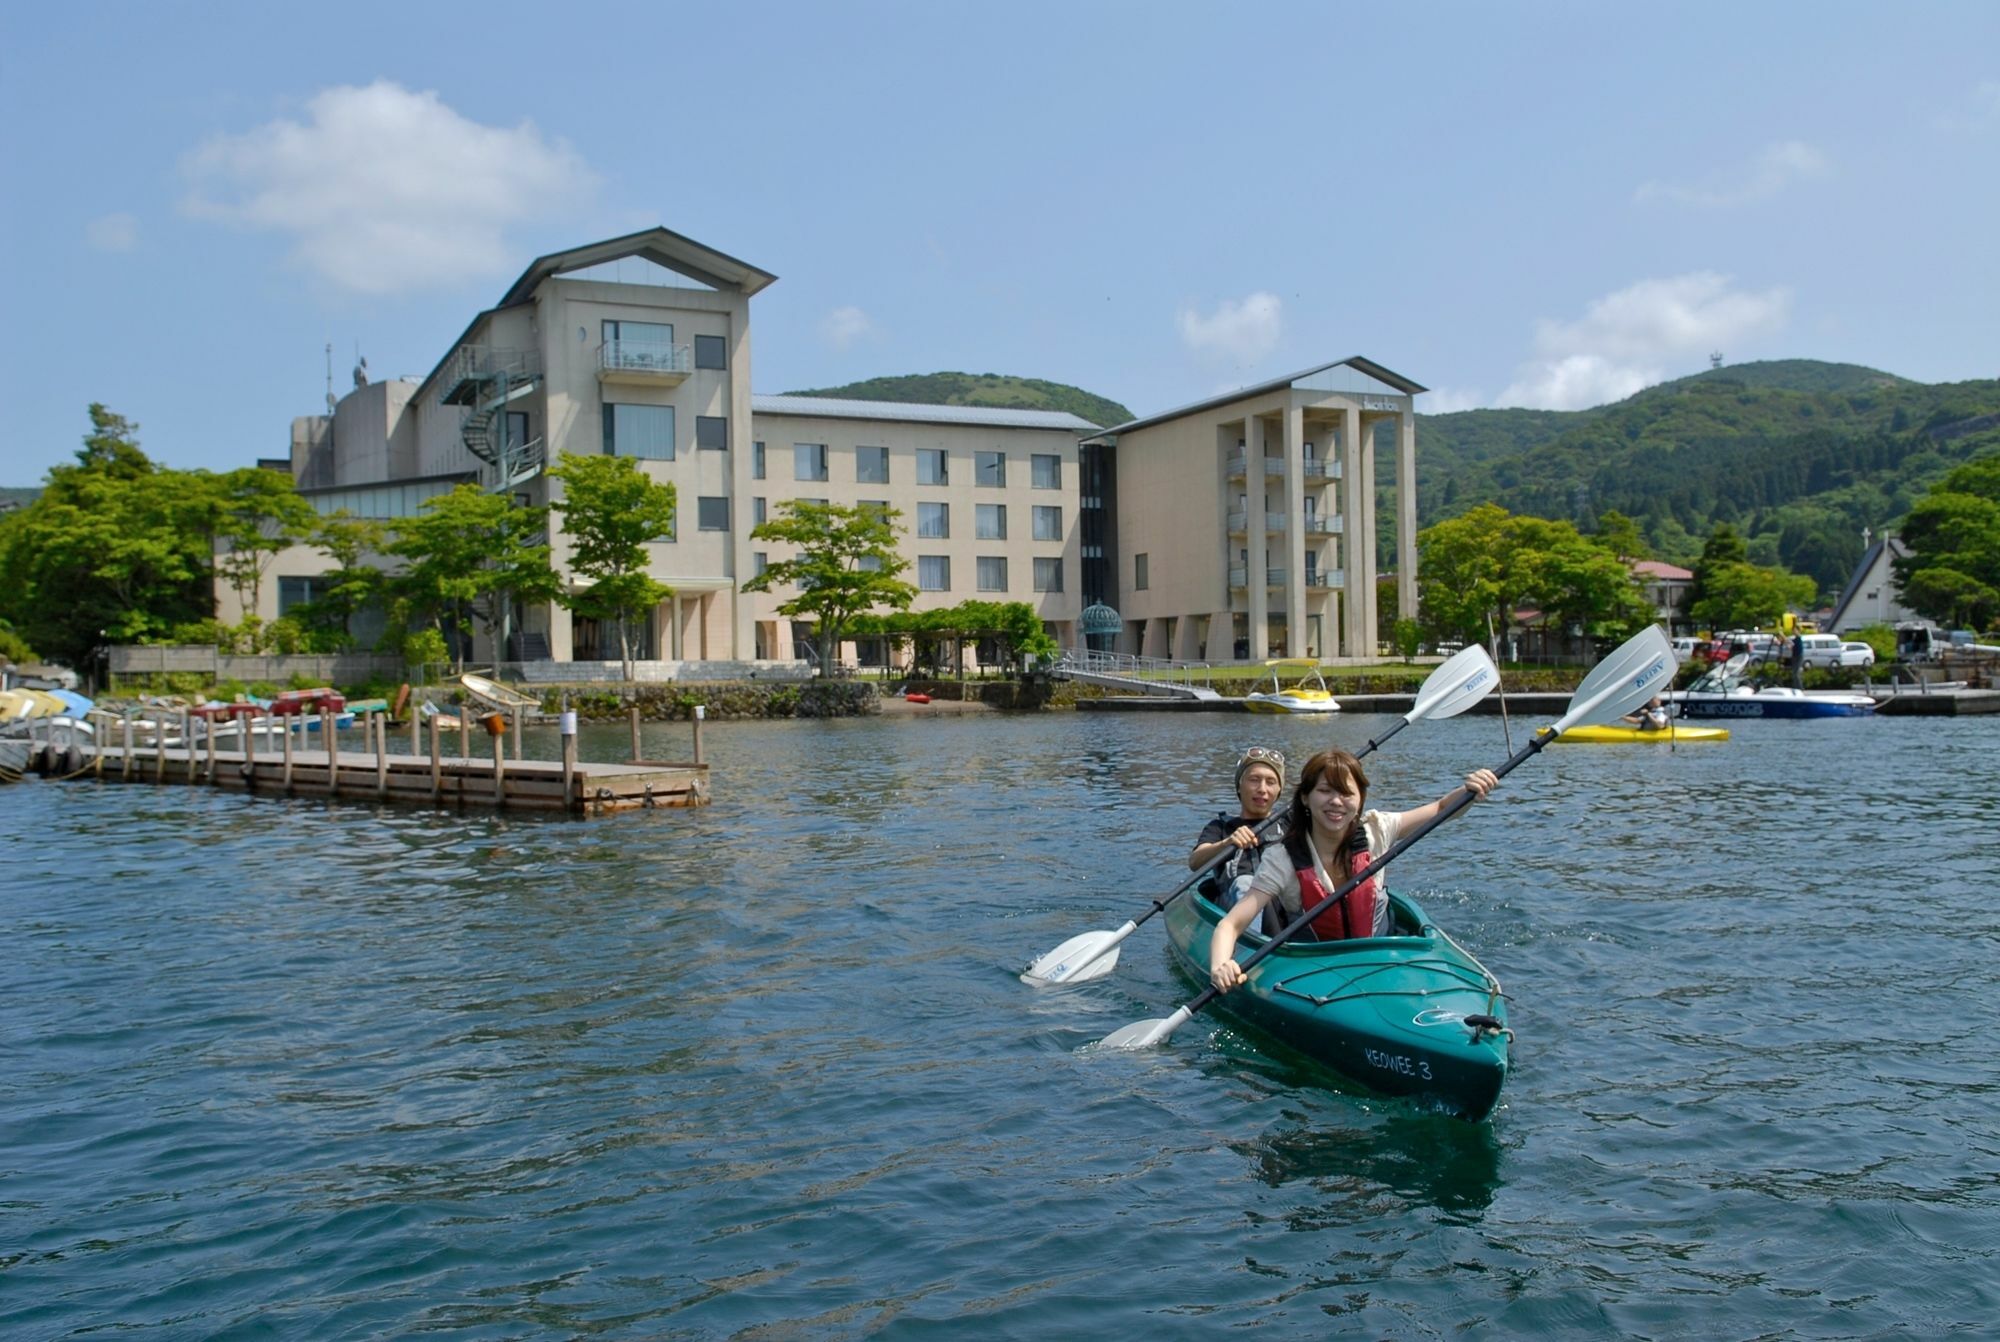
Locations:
column 1263, row 828
column 1395, row 850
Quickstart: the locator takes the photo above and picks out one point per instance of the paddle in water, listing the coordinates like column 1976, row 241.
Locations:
column 1455, row 686
column 1619, row 683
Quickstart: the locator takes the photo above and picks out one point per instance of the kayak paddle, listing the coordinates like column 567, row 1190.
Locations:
column 1455, row 686
column 1626, row 678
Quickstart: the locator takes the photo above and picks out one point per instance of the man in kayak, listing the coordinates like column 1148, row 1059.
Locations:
column 1260, row 781
column 1328, row 839
column 1651, row 718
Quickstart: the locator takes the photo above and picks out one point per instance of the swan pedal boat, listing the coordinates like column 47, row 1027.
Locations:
column 1386, row 1012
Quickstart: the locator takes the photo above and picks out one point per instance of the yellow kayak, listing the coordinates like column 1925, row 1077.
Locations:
column 1672, row 734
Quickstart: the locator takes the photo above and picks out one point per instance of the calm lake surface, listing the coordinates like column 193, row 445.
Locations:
column 289, row 1069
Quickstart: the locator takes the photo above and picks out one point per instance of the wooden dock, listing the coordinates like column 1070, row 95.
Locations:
column 284, row 768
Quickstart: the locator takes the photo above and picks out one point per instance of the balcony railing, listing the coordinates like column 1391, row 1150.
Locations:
column 1238, row 464
column 1239, row 520
column 467, row 375
column 1321, row 579
column 1324, row 524
column 1273, row 577
column 644, row 360
column 1320, row 470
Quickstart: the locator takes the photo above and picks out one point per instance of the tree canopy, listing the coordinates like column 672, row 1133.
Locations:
column 471, row 556
column 846, row 565
column 1488, row 563
column 1952, row 571
column 611, row 510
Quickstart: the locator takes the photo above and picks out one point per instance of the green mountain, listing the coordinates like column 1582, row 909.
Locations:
column 987, row 389
column 1799, row 456
column 18, row 498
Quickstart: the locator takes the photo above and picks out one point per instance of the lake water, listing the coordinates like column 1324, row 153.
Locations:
column 290, row 1069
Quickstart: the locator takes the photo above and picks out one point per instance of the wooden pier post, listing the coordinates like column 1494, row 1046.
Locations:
column 517, row 731
column 636, row 756
column 211, row 748
column 187, row 741
column 329, row 736
column 568, row 757
column 97, row 743
column 437, row 769
column 500, row 769
column 160, row 746
column 125, row 748
column 700, row 712
column 416, row 726
column 288, row 756
column 465, row 732
column 380, row 731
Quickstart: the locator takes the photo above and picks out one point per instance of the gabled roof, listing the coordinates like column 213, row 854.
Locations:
column 661, row 246
column 1888, row 547
column 1309, row 379
column 828, row 407
column 1655, row 568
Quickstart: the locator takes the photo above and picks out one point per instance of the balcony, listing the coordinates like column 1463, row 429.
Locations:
column 1319, row 580
column 1273, row 577
column 476, row 374
column 643, row 363
column 1325, row 524
column 1239, row 520
column 1239, row 463
column 1320, row 470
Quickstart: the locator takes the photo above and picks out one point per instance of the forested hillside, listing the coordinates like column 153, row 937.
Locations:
column 987, row 389
column 1798, row 456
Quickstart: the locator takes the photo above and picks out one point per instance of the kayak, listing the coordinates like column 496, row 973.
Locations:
column 1672, row 734
column 1387, row 1012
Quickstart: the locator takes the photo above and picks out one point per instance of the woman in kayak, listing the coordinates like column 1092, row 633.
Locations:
column 1260, row 781
column 1328, row 839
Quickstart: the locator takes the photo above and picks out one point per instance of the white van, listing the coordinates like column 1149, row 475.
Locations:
column 1821, row 649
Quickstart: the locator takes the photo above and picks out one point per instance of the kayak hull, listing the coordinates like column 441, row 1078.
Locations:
column 1672, row 734
column 1385, row 1012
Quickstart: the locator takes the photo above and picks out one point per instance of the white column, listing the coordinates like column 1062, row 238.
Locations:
column 1406, row 513
column 1369, row 564
column 1255, row 540
column 1352, row 608
column 1295, row 531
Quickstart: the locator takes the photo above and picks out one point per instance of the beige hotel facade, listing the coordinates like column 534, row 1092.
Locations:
column 641, row 346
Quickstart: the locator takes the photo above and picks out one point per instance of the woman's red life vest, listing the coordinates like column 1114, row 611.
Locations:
column 1353, row 916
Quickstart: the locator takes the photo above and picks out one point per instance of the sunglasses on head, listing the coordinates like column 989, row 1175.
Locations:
column 1261, row 755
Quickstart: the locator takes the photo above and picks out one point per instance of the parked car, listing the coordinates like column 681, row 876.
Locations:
column 1856, row 654
column 1820, row 649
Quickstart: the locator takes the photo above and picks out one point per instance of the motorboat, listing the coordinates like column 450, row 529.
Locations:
column 1722, row 693
column 1307, row 694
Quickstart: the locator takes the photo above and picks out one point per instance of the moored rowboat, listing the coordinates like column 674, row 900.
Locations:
column 1386, row 1012
column 1672, row 734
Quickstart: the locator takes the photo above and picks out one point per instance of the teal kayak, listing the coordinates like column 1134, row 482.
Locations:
column 1387, row 1012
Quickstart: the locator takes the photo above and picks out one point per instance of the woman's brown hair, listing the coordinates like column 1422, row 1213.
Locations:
column 1346, row 772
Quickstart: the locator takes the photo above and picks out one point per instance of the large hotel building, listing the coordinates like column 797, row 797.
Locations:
column 1239, row 527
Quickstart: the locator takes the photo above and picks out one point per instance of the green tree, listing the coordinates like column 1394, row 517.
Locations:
column 1487, row 564
column 258, row 515
column 471, row 556
column 1462, row 574
column 351, row 586
column 114, row 550
column 1745, row 596
column 1621, row 535
column 611, row 511
column 847, row 565
column 1952, row 570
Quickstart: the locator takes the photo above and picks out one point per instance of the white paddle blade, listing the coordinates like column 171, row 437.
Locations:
column 1089, row 956
column 1146, row 1033
column 1460, row 682
column 1638, row 669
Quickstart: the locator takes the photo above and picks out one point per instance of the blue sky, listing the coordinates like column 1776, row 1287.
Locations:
column 1513, row 204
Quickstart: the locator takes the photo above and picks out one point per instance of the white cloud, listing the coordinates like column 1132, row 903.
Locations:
column 842, row 327
column 112, row 233
column 1628, row 340
column 383, row 189
column 1780, row 165
column 1238, row 332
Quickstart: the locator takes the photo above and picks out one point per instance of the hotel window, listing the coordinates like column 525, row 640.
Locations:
column 871, row 465
column 711, row 352
column 756, row 461
column 990, row 521
column 880, row 507
column 1048, row 575
column 639, row 431
column 712, row 514
column 933, row 521
column 711, row 432
column 868, row 563
column 759, row 561
column 989, row 469
column 934, row 573
column 992, row 573
column 1048, row 471
column 757, row 511
column 1139, row 573
column 808, row 461
column 931, row 469
column 1048, row 523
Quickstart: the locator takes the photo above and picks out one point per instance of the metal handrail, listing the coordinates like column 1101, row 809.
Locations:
column 644, row 356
